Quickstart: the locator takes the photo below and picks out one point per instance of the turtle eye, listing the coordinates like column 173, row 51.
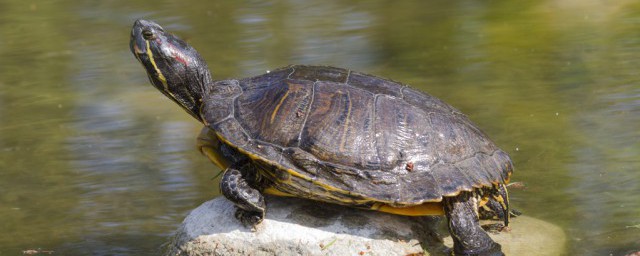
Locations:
column 148, row 34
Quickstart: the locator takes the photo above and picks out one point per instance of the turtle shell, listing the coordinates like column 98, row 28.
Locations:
column 345, row 137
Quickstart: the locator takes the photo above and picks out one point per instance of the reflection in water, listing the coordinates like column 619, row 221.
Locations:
column 93, row 160
column 128, row 172
column 605, row 163
column 304, row 36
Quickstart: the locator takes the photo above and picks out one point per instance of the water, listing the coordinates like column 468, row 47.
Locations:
column 93, row 160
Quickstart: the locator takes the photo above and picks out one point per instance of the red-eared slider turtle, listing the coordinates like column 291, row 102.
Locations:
column 333, row 135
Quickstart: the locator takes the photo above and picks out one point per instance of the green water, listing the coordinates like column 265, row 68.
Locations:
column 94, row 161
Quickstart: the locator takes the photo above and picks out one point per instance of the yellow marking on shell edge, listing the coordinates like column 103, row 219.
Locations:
column 275, row 111
column 331, row 188
column 276, row 192
column 332, row 198
column 208, row 146
column 346, row 124
column 325, row 186
column 215, row 157
column 297, row 174
column 416, row 210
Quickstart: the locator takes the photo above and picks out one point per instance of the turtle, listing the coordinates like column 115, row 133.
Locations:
column 334, row 135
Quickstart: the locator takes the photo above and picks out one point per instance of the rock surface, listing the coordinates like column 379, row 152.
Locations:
column 304, row 227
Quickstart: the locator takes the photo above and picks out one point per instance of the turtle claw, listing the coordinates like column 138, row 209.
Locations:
column 249, row 219
column 250, row 205
column 515, row 213
column 496, row 228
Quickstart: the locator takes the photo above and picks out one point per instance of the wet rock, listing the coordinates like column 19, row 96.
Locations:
column 304, row 227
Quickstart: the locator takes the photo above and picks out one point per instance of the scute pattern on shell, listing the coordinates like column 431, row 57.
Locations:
column 346, row 137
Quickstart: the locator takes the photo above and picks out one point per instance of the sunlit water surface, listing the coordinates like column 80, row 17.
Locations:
column 95, row 161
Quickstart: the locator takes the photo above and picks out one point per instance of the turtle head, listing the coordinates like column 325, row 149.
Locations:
column 173, row 66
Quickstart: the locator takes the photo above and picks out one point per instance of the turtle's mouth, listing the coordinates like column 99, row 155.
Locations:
column 135, row 47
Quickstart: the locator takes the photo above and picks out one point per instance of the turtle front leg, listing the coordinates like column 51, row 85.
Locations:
column 248, row 200
column 464, row 225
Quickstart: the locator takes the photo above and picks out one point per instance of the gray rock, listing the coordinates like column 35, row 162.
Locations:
column 303, row 227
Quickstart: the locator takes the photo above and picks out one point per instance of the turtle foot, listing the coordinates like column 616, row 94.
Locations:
column 493, row 250
column 249, row 219
column 496, row 228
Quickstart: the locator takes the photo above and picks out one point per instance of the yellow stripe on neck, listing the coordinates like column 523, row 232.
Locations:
column 161, row 77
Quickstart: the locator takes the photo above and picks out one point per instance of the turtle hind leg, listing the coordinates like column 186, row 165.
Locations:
column 497, row 207
column 464, row 225
column 248, row 200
